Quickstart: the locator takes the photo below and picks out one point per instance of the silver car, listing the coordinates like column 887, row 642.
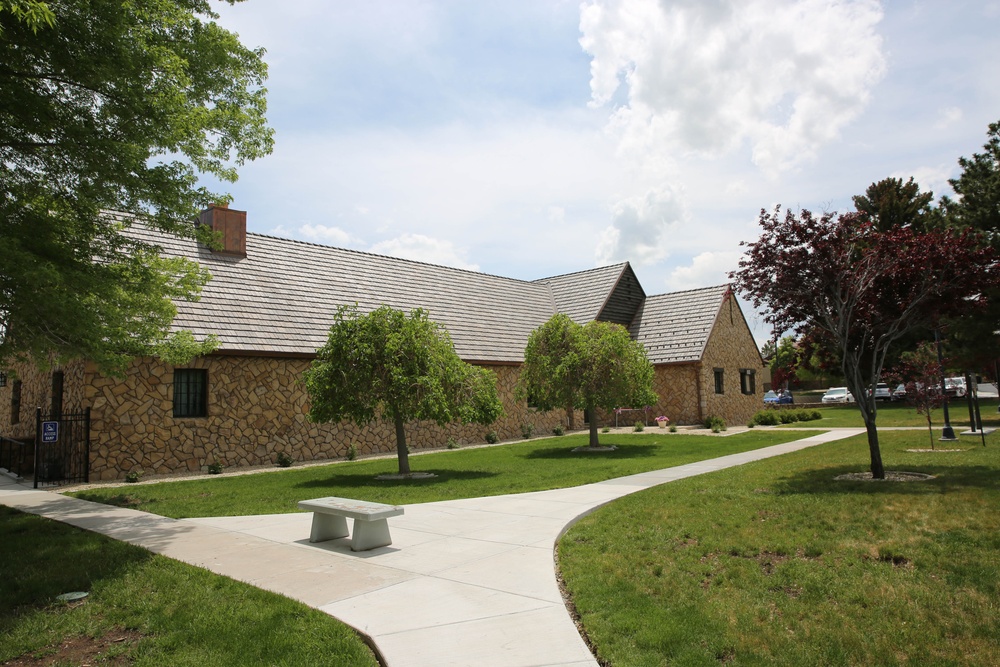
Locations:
column 838, row 395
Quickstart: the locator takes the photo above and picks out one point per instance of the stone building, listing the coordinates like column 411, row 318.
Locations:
column 270, row 303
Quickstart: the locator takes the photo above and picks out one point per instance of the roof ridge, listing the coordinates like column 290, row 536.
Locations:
column 573, row 273
column 390, row 257
column 686, row 291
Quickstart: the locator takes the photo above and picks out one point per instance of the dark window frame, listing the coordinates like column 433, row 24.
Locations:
column 190, row 400
column 720, row 380
column 15, row 403
column 58, row 380
column 748, row 381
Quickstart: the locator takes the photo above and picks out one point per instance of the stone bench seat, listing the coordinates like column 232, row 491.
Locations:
column 371, row 528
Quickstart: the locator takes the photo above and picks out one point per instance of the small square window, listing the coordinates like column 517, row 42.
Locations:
column 748, row 381
column 720, row 382
column 190, row 392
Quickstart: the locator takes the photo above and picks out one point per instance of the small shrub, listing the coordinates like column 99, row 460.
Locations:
column 284, row 460
column 814, row 415
column 214, row 468
column 673, row 428
column 750, row 424
column 527, row 430
column 452, row 443
column 766, row 418
column 638, row 428
column 715, row 423
column 788, row 417
column 492, row 438
column 606, row 429
column 352, row 451
column 133, row 476
column 559, row 430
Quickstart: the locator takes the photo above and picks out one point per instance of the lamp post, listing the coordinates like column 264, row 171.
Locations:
column 947, row 432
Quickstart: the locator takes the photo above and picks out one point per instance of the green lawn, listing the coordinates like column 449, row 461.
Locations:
column 901, row 414
column 532, row 465
column 777, row 563
column 146, row 610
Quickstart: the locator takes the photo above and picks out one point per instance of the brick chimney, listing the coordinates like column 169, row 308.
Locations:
column 230, row 226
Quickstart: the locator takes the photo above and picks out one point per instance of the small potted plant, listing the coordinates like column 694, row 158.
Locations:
column 662, row 421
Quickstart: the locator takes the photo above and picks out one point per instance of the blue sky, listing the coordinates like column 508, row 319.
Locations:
column 528, row 138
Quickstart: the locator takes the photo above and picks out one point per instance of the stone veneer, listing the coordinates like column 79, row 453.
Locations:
column 258, row 408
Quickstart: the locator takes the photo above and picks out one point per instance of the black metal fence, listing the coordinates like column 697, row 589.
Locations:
column 17, row 456
column 62, row 448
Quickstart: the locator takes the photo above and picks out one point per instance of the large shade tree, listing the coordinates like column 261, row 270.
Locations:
column 863, row 288
column 112, row 106
column 974, row 335
column 399, row 368
column 596, row 365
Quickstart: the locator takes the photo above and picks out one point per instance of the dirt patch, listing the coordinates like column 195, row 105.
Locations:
column 82, row 650
column 890, row 476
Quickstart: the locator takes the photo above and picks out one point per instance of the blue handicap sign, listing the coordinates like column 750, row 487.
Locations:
column 50, row 431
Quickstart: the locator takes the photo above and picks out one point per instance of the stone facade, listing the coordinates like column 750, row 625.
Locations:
column 731, row 348
column 257, row 408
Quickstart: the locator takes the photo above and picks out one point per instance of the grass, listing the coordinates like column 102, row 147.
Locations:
column 514, row 468
column 145, row 609
column 901, row 414
column 777, row 563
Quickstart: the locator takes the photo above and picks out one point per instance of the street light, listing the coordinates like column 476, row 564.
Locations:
column 947, row 432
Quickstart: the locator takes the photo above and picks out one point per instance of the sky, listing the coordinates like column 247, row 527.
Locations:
column 531, row 138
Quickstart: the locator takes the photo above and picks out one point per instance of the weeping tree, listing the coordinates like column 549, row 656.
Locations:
column 863, row 288
column 596, row 365
column 396, row 367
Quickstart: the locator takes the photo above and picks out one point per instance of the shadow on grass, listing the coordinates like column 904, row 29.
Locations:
column 369, row 481
column 622, row 452
column 43, row 559
column 118, row 500
column 947, row 478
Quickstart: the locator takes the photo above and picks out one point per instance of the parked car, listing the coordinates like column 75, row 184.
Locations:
column 882, row 392
column 955, row 387
column 780, row 397
column 837, row 395
column 899, row 393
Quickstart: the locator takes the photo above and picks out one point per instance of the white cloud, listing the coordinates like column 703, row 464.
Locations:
column 707, row 268
column 934, row 179
column 706, row 77
column 948, row 117
column 425, row 249
column 327, row 234
column 639, row 227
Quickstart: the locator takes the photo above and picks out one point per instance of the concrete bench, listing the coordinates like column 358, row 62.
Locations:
column 371, row 530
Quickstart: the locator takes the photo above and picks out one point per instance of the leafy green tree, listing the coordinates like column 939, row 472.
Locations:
column 112, row 106
column 399, row 368
column 972, row 336
column 892, row 203
column 785, row 363
column 596, row 365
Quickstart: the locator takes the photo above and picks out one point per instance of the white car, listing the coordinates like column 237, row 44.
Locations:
column 838, row 395
column 955, row 387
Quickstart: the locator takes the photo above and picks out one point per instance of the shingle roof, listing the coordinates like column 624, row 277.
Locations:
column 675, row 327
column 281, row 297
column 582, row 294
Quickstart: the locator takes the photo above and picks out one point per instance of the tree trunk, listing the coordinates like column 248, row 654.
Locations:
column 402, row 453
column 930, row 428
column 570, row 415
column 593, row 426
column 878, row 472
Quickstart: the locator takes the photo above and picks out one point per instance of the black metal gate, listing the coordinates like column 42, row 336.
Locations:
column 62, row 448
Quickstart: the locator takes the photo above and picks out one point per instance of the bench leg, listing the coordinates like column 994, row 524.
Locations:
column 327, row 527
column 370, row 535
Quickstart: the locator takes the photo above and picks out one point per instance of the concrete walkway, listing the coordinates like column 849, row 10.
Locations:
column 465, row 582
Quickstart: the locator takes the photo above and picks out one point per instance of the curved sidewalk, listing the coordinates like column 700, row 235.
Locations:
column 465, row 582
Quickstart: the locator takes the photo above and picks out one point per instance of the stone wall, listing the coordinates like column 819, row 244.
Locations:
column 731, row 347
column 36, row 392
column 257, row 408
